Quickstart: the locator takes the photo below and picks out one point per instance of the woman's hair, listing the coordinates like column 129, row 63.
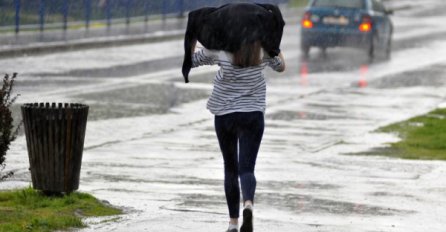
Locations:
column 248, row 55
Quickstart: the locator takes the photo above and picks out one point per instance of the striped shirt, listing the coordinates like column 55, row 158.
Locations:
column 236, row 89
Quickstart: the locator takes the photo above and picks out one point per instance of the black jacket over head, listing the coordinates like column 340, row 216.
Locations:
column 230, row 26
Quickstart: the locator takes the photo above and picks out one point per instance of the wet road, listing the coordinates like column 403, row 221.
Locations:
column 151, row 148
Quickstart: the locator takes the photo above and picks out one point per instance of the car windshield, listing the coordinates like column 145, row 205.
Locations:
column 340, row 3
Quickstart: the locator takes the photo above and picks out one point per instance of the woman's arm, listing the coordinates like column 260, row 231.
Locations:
column 203, row 57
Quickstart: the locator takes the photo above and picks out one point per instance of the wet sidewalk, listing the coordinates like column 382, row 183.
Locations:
column 166, row 171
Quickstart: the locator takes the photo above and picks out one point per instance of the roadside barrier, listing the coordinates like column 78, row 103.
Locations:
column 42, row 15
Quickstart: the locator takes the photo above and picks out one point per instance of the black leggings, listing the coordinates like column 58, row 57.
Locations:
column 242, row 130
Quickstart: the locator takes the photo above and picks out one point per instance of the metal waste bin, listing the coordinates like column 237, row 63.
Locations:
column 55, row 139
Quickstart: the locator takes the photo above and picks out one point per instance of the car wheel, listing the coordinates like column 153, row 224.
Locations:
column 324, row 51
column 389, row 48
column 305, row 49
column 371, row 50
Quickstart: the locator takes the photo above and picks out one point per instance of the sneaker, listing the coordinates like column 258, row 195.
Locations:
column 247, row 220
column 232, row 228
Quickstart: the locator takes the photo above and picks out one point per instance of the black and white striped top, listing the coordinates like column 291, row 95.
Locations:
column 236, row 89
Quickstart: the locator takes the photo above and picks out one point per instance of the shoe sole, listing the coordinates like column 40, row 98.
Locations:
column 247, row 221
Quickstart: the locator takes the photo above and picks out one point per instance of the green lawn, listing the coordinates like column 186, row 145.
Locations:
column 298, row 3
column 28, row 210
column 423, row 137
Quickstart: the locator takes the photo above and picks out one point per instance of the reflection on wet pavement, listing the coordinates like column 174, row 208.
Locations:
column 363, row 71
column 388, row 194
column 125, row 70
column 294, row 203
column 292, row 115
column 336, row 60
column 430, row 76
column 138, row 101
column 200, row 201
column 295, row 186
column 303, row 73
column 299, row 204
column 42, row 84
column 167, row 179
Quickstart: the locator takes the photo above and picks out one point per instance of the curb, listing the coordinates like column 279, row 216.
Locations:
column 98, row 42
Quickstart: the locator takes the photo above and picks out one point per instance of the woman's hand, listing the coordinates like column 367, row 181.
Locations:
column 194, row 44
column 282, row 66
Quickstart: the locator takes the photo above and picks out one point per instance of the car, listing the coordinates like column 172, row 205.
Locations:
column 364, row 24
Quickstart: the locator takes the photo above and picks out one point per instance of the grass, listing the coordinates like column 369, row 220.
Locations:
column 423, row 137
column 30, row 18
column 298, row 3
column 28, row 210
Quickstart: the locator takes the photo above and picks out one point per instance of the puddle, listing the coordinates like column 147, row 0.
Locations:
column 197, row 200
column 172, row 179
column 381, row 151
column 138, row 101
column 295, row 203
column 282, row 185
column 302, row 115
column 433, row 76
column 299, row 204
column 389, row 194
column 127, row 70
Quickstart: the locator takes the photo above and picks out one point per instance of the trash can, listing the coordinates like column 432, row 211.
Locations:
column 55, row 139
